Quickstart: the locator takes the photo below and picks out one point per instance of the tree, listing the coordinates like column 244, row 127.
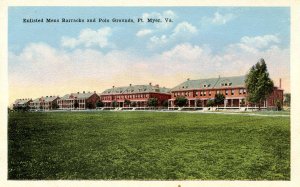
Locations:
column 287, row 99
column 127, row 102
column 90, row 105
column 210, row 103
column 219, row 99
column 76, row 104
column 100, row 104
column 55, row 105
column 181, row 101
column 152, row 102
column 278, row 104
column 114, row 104
column 133, row 104
column 198, row 103
column 258, row 84
column 165, row 103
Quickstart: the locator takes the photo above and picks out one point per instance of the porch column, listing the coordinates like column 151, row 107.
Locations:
column 231, row 102
column 189, row 103
column 239, row 103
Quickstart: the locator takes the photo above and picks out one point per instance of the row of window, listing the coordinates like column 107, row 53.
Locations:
column 126, row 96
column 204, row 93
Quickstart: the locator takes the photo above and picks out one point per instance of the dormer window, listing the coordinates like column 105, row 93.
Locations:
column 204, row 85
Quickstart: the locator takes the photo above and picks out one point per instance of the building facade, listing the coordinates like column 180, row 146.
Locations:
column 45, row 103
column 199, row 92
column 22, row 103
column 134, row 95
column 78, row 101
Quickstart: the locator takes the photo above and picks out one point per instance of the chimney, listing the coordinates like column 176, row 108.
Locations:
column 94, row 91
column 157, row 85
column 130, row 84
column 280, row 83
column 150, row 83
column 77, row 92
column 83, row 91
column 188, row 79
column 113, row 86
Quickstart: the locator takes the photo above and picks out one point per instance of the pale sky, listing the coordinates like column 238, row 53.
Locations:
column 201, row 42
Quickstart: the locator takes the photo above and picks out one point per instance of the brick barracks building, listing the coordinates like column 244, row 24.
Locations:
column 79, row 101
column 44, row 103
column 138, row 94
column 22, row 103
column 198, row 92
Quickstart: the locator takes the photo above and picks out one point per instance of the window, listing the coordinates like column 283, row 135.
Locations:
column 204, row 93
column 218, row 91
column 232, row 92
column 226, row 92
column 196, row 93
column 209, row 93
column 240, row 91
column 201, row 93
column 244, row 91
column 204, row 85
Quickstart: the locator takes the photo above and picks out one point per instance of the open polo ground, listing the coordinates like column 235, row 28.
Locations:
column 139, row 145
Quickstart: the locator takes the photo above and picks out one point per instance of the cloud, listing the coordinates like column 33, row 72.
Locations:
column 39, row 69
column 183, row 30
column 89, row 38
column 143, row 32
column 256, row 43
column 157, row 15
column 218, row 19
column 184, row 27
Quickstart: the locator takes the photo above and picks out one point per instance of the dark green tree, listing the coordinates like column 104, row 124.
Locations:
column 55, row 106
column 198, row 103
column 181, row 101
column 287, row 99
column 127, row 102
column 90, row 105
column 133, row 104
column 165, row 103
column 278, row 104
column 100, row 104
column 219, row 99
column 114, row 104
column 76, row 104
column 152, row 102
column 210, row 103
column 258, row 83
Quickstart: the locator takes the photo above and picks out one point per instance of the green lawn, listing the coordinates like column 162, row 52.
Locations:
column 148, row 146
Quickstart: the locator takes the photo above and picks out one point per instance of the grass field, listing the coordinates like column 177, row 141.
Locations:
column 148, row 146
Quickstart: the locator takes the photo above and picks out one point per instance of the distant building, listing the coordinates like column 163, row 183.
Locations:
column 80, row 101
column 198, row 92
column 138, row 95
column 22, row 103
column 44, row 103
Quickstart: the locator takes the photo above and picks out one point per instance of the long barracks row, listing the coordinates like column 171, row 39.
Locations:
column 198, row 93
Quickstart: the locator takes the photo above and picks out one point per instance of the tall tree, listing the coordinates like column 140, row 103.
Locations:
column 258, row 83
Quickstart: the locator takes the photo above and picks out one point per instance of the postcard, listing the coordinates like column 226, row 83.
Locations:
column 169, row 95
